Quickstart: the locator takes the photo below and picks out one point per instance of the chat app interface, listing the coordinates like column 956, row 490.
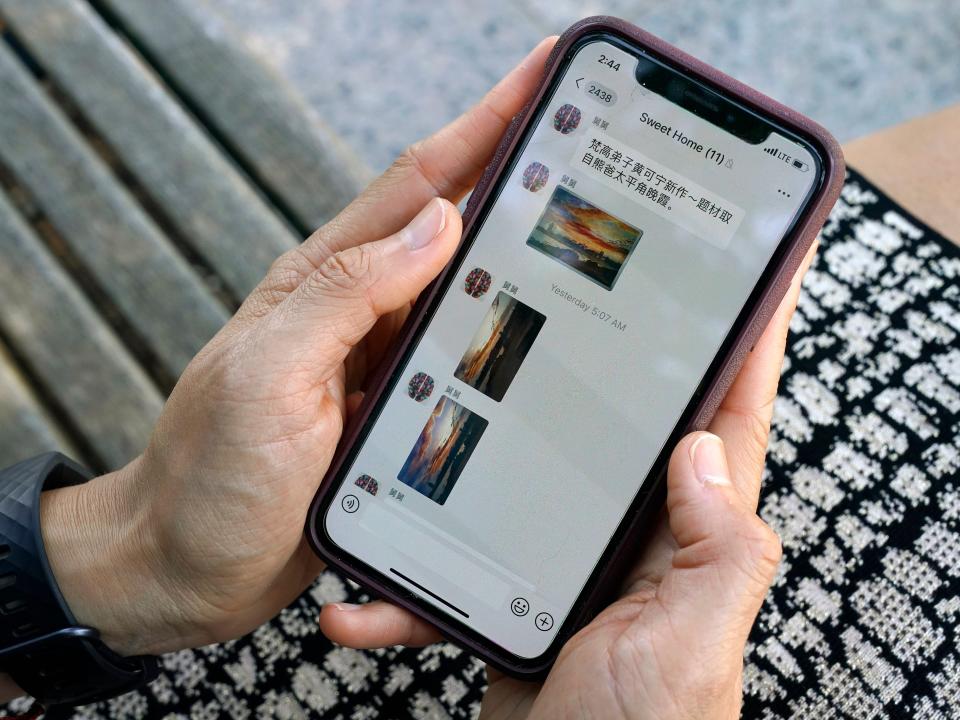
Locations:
column 620, row 251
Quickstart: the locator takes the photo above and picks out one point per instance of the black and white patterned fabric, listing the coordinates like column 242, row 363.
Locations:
column 863, row 480
column 861, row 484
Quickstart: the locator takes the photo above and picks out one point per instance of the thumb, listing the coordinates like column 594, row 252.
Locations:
column 339, row 302
column 727, row 556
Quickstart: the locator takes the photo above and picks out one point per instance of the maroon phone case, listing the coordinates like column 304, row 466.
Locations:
column 615, row 561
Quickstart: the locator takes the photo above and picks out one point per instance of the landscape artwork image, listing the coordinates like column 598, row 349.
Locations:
column 583, row 237
column 496, row 352
column 442, row 450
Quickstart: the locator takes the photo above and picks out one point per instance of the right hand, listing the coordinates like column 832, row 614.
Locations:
column 672, row 646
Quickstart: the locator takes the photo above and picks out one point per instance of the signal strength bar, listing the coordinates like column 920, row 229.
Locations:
column 770, row 151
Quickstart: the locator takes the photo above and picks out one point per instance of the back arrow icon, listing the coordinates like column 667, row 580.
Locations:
column 578, row 82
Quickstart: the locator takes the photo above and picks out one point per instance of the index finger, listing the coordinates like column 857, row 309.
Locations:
column 375, row 624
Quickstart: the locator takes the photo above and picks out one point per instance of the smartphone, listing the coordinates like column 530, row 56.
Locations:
column 640, row 224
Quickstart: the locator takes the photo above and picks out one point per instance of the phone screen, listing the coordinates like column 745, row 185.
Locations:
column 621, row 248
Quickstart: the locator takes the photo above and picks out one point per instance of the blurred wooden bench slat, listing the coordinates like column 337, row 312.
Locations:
column 25, row 429
column 199, row 189
column 131, row 260
column 70, row 348
column 299, row 162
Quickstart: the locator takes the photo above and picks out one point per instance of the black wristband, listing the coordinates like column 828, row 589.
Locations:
column 41, row 646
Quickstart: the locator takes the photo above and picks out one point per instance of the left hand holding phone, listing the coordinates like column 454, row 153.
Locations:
column 200, row 539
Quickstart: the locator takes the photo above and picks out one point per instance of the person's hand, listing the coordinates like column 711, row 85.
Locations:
column 200, row 539
column 672, row 646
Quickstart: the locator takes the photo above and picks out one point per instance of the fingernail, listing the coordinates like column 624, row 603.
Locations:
column 709, row 460
column 426, row 225
column 346, row 607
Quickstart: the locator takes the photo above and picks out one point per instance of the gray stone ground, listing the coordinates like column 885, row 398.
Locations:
column 385, row 73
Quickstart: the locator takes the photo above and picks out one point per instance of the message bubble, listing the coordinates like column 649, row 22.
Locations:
column 657, row 188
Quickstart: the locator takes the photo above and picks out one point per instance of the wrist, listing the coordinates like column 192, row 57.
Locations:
column 104, row 556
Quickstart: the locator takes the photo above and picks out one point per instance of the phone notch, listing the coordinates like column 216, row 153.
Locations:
column 702, row 101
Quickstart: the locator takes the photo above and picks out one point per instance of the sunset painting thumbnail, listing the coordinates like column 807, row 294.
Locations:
column 442, row 450
column 499, row 345
column 587, row 239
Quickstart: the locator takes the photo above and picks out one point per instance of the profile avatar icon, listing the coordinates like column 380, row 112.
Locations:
column 535, row 176
column 477, row 283
column 420, row 386
column 566, row 119
column 365, row 482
